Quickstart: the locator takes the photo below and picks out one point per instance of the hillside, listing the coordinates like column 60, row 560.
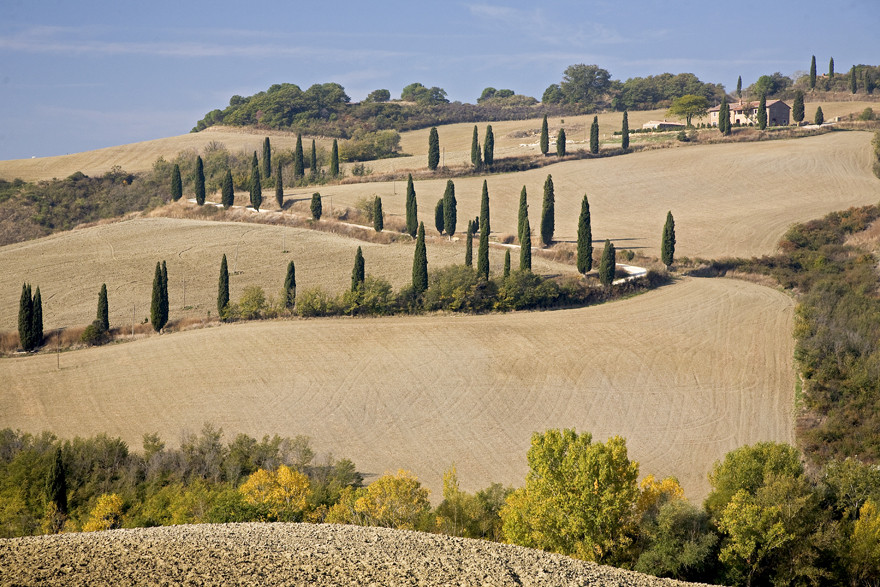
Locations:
column 292, row 554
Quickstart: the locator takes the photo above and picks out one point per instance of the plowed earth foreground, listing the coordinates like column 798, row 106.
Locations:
column 686, row 373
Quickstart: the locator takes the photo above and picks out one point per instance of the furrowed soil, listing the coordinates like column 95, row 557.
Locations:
column 686, row 373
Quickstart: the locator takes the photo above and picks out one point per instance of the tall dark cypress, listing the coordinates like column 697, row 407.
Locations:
column 227, row 193
column 853, row 83
column 420, row 263
column 223, row 288
column 433, row 149
column 739, row 87
column 469, row 247
column 624, row 132
column 545, row 136
column 103, row 316
column 412, row 212
column 724, row 117
column 165, row 305
column 26, row 318
column 200, row 181
column 279, row 187
column 594, row 136
column 450, row 208
column 256, row 184
column 667, row 246
column 358, row 272
column 37, row 329
column 507, row 263
column 797, row 108
column 438, row 216
column 483, row 251
column 813, row 73
column 548, row 215
column 489, row 147
column 476, row 156
column 608, row 264
column 525, row 248
column 267, row 158
column 56, row 484
column 156, row 300
column 313, row 161
column 762, row 112
column 831, row 69
column 334, row 159
column 176, row 183
column 298, row 163
column 290, row 286
column 523, row 214
column 820, row 117
column 585, row 238
column 560, row 143
column 378, row 216
column 317, row 208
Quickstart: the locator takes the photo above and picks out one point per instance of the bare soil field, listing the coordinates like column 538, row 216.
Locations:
column 70, row 266
column 292, row 554
column 686, row 373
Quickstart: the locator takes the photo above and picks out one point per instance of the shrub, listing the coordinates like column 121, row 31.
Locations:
column 252, row 304
column 456, row 288
column 316, row 302
column 95, row 334
column 523, row 290
column 867, row 114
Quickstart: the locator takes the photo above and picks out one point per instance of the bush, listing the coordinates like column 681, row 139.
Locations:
column 95, row 334
column 316, row 302
column 457, row 289
column 524, row 290
column 867, row 114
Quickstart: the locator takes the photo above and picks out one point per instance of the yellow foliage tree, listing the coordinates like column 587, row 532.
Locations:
column 106, row 515
column 863, row 555
column 391, row 501
column 654, row 494
column 280, row 495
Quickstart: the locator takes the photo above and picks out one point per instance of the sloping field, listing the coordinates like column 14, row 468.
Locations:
column 686, row 373
column 70, row 266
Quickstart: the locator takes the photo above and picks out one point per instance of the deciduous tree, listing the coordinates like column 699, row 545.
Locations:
column 223, row 288
column 688, row 106
column 489, row 147
column 176, row 183
column 450, row 209
column 667, row 246
column 545, row 136
column 412, row 216
column 200, row 181
column 433, row 149
column 483, row 251
column 584, row 238
column 103, row 316
column 560, row 143
column 548, row 215
column 608, row 264
column 420, row 263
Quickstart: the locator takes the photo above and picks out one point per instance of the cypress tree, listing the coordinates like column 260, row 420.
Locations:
column 869, row 82
column 420, row 263
column 545, row 136
column 290, row 286
column 724, row 117
column 256, row 185
column 313, row 161
column 797, row 108
column 585, row 238
column 357, row 274
column 223, row 288
column 37, row 330
column 507, row 263
column 469, row 247
column 831, row 69
column 334, row 159
column 523, row 214
column 56, row 484
column 433, row 149
column 316, row 206
column 739, row 87
column 548, row 219
column 200, row 181
column 489, row 147
column 762, row 112
column 608, row 264
column 298, row 163
column 560, row 143
column 667, row 246
column 820, row 116
column 438, row 216
column 176, row 183
column 378, row 216
column 594, row 136
column 476, row 157
column 450, row 208
column 853, row 84
column 279, row 188
column 156, row 300
column 103, row 316
column 267, row 158
column 164, row 305
column 624, row 132
column 412, row 216
column 485, row 229
column 525, row 248
column 227, row 194
column 26, row 318
column 813, row 73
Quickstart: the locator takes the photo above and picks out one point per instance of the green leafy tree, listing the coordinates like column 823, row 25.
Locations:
column 438, row 216
column 608, row 264
column 485, row 229
column 525, row 248
column 506, row 263
column 358, row 272
column 578, row 498
column 26, row 318
column 103, row 316
column 279, row 188
column 688, row 106
column 797, row 108
column 489, row 147
column 469, row 247
column 412, row 215
column 267, row 158
column 176, row 183
column 156, row 300
column 820, row 116
column 298, row 162
column 450, row 208
column 545, row 136
column 316, row 206
column 56, row 484
column 560, row 143
column 200, row 181
column 290, row 286
column 831, row 69
column 334, row 159
column 594, row 136
column 256, row 185
column 378, row 216
column 227, row 193
column 37, row 329
column 681, row 543
column 667, row 246
column 762, row 112
column 476, row 156
column 724, row 117
column 585, row 239
column 624, row 132
column 548, row 215
column 420, row 263
column 584, row 85
column 813, row 73
column 313, row 161
column 523, row 214
column 739, row 87
column 433, row 149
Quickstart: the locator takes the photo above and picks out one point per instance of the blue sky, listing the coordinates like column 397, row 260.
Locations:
column 78, row 76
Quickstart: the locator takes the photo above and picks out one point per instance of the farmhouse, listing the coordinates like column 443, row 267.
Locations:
column 745, row 113
column 663, row 125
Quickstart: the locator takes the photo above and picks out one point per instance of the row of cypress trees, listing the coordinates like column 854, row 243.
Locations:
column 594, row 136
column 487, row 155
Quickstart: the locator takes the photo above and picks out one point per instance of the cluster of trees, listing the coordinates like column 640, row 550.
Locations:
column 861, row 78
column 30, row 318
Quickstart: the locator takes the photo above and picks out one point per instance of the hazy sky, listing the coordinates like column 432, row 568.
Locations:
column 84, row 75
